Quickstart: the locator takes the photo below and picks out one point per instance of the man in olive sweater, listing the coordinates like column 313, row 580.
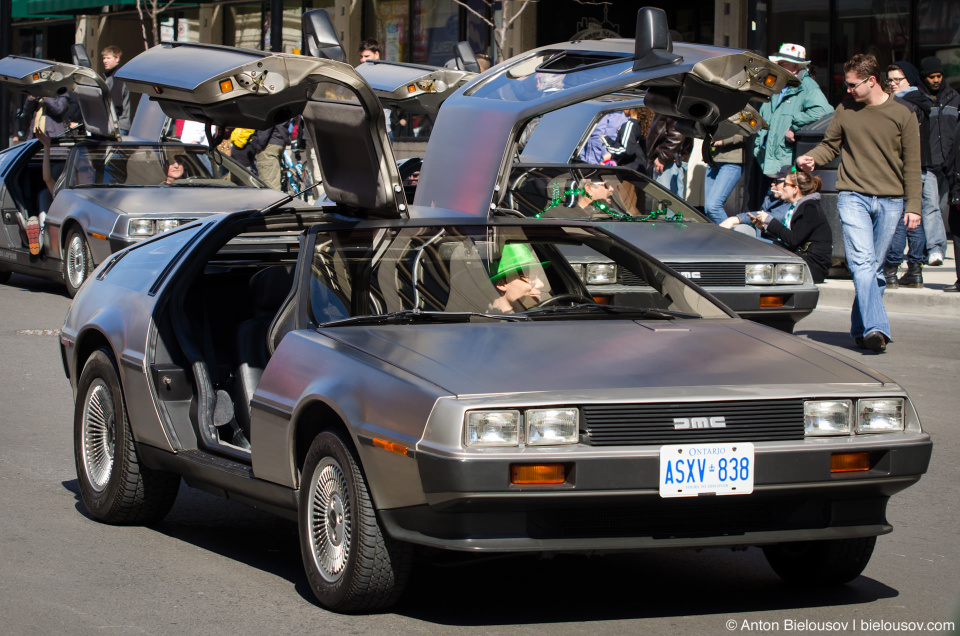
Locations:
column 878, row 183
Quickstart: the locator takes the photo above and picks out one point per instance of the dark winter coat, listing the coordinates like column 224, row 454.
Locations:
column 666, row 143
column 808, row 236
column 629, row 148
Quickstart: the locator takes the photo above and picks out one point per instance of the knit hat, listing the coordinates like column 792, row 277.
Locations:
column 909, row 71
column 930, row 65
column 791, row 53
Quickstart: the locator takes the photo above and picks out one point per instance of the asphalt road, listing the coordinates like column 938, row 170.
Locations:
column 216, row 567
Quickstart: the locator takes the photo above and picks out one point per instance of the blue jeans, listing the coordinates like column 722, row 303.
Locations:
column 719, row 182
column 868, row 226
column 673, row 178
column 932, row 219
column 913, row 239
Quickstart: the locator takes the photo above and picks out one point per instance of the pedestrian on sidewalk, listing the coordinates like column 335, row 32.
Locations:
column 668, row 151
column 903, row 81
column 878, row 183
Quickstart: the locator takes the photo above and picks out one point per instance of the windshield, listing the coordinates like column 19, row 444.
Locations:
column 486, row 271
column 156, row 165
column 599, row 194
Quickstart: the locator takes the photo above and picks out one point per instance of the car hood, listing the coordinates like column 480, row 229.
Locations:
column 696, row 242
column 180, row 199
column 475, row 359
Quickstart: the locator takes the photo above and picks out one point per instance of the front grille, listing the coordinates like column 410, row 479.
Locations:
column 653, row 424
column 704, row 274
column 693, row 517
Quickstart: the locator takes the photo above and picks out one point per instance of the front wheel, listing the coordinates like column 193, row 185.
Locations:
column 352, row 565
column 77, row 261
column 114, row 487
column 820, row 563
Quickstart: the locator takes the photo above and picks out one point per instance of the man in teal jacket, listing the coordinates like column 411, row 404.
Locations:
column 793, row 108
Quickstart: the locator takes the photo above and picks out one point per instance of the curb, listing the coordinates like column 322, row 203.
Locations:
column 926, row 301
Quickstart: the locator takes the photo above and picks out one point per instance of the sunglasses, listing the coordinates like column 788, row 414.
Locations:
column 850, row 86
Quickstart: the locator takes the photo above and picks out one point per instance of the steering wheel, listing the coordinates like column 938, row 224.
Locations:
column 563, row 298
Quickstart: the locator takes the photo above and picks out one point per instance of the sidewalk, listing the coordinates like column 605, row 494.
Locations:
column 929, row 300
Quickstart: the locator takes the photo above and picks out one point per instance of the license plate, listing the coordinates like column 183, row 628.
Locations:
column 688, row 470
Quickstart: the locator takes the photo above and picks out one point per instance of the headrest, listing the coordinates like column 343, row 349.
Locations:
column 270, row 287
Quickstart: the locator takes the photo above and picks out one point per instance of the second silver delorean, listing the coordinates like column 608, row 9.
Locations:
column 437, row 375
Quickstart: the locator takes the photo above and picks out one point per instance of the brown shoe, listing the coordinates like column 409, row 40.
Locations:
column 33, row 235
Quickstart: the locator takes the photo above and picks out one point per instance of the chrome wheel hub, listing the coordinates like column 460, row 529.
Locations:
column 76, row 261
column 330, row 520
column 99, row 435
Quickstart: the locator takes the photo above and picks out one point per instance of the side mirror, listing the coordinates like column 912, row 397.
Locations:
column 80, row 56
column 463, row 53
column 653, row 46
column 320, row 36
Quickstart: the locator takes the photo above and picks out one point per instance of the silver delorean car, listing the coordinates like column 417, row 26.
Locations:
column 438, row 375
column 110, row 191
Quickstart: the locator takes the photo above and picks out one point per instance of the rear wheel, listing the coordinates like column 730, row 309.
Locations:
column 352, row 565
column 114, row 487
column 820, row 563
column 77, row 262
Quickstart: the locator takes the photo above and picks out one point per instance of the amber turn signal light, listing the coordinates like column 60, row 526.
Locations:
column 390, row 446
column 770, row 80
column 849, row 462
column 537, row 474
column 226, row 85
column 771, row 301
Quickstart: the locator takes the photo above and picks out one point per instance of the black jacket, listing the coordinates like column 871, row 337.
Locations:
column 629, row 148
column 666, row 143
column 278, row 135
column 808, row 236
column 920, row 104
column 944, row 126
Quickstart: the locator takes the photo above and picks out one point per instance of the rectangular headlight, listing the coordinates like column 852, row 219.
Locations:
column 140, row 227
column 759, row 274
column 827, row 417
column 165, row 225
column 601, row 273
column 880, row 416
column 789, row 274
column 552, row 426
column 492, row 428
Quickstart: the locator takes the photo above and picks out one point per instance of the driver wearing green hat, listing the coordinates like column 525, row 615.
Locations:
column 518, row 277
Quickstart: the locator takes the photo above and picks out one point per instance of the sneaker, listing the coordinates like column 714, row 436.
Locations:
column 875, row 341
column 936, row 258
column 33, row 235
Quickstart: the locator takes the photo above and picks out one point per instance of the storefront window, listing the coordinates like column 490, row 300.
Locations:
column 182, row 26
column 878, row 27
column 436, row 30
column 938, row 23
column 807, row 24
column 244, row 26
column 389, row 22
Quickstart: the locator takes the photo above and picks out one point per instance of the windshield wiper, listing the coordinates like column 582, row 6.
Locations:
column 416, row 315
column 620, row 310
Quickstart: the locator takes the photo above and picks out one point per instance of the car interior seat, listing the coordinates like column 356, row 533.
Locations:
column 268, row 289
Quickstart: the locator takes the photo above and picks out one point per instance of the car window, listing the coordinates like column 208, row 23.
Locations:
column 594, row 193
column 500, row 269
column 548, row 74
column 155, row 165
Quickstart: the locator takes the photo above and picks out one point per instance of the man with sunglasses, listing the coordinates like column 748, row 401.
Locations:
column 878, row 184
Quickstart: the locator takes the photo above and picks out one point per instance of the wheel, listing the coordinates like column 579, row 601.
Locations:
column 565, row 298
column 77, row 263
column 820, row 563
column 114, row 487
column 352, row 565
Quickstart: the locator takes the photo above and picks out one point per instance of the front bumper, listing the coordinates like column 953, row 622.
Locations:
column 611, row 500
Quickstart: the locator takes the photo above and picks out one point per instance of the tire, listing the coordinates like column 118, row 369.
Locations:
column 820, row 563
column 4, row 276
column 352, row 565
column 114, row 487
column 77, row 261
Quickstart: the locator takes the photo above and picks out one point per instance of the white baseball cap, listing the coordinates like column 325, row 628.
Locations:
column 791, row 53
